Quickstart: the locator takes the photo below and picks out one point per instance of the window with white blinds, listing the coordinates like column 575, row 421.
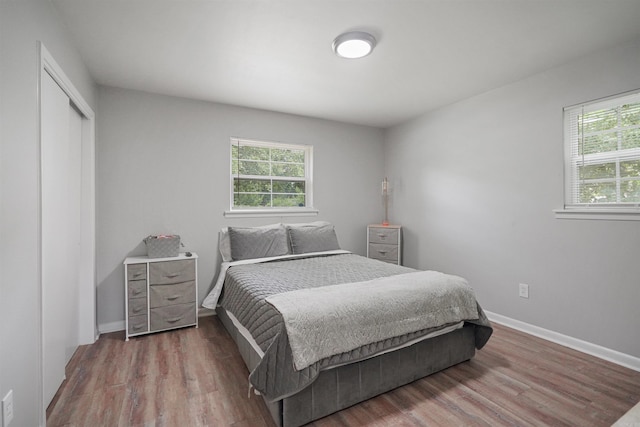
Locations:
column 270, row 176
column 602, row 154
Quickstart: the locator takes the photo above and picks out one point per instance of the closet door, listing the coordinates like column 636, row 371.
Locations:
column 74, row 219
column 60, row 198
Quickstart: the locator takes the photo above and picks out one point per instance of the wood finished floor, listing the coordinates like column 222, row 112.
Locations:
column 195, row 377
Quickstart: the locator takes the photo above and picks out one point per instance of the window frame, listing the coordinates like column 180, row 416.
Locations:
column 307, row 210
column 573, row 159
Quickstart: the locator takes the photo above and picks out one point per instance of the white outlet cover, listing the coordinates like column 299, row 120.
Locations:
column 523, row 290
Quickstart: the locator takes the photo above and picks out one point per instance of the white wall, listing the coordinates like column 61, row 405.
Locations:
column 163, row 167
column 475, row 184
column 22, row 23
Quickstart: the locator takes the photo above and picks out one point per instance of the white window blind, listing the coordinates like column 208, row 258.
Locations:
column 602, row 154
column 267, row 176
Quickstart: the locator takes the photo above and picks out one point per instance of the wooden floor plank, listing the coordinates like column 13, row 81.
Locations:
column 196, row 377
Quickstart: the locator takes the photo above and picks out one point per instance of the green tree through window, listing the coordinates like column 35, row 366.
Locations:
column 603, row 142
column 268, row 175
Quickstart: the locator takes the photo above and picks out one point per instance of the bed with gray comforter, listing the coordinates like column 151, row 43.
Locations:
column 302, row 389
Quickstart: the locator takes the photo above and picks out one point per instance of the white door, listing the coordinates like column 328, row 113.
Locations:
column 61, row 202
column 74, row 219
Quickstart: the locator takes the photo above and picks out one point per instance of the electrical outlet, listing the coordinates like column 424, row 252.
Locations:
column 7, row 409
column 523, row 290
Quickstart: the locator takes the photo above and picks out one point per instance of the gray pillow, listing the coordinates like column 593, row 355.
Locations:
column 312, row 239
column 255, row 242
column 224, row 243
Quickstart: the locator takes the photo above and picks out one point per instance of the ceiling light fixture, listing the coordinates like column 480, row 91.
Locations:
column 354, row 44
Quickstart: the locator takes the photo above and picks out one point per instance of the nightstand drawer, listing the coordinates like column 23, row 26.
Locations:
column 168, row 272
column 138, row 324
column 162, row 295
column 137, row 272
column 137, row 306
column 137, row 289
column 383, row 252
column 383, row 235
column 172, row 316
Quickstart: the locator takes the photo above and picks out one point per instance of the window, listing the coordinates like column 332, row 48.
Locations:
column 602, row 160
column 270, row 177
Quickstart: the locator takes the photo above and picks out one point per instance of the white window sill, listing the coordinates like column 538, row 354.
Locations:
column 599, row 214
column 257, row 213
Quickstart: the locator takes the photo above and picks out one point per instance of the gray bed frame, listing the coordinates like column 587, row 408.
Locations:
column 347, row 385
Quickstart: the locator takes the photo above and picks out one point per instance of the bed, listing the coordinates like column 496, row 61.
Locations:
column 321, row 329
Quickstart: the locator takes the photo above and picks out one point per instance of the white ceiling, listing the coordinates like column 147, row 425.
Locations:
column 276, row 55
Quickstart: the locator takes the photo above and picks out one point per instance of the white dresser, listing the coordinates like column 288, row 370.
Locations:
column 384, row 242
column 160, row 293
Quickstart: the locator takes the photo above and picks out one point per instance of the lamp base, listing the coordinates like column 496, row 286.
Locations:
column 385, row 223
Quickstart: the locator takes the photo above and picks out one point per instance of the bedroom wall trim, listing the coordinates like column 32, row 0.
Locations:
column 610, row 215
column 205, row 312
column 610, row 355
column 105, row 328
column 271, row 213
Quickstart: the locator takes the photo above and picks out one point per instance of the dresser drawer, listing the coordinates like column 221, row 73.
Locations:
column 173, row 316
column 137, row 272
column 168, row 272
column 137, row 324
column 383, row 252
column 383, row 235
column 137, row 306
column 137, row 289
column 161, row 295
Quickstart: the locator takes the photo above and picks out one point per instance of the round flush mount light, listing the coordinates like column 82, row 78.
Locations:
column 354, row 44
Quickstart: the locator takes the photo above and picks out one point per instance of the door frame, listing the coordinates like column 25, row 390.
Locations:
column 88, row 331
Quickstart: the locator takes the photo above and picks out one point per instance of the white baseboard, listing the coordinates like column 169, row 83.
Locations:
column 205, row 312
column 614, row 356
column 105, row 328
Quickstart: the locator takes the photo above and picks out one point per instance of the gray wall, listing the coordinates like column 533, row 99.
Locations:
column 163, row 167
column 475, row 185
column 22, row 23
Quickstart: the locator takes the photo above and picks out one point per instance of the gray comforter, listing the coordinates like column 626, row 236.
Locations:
column 246, row 288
